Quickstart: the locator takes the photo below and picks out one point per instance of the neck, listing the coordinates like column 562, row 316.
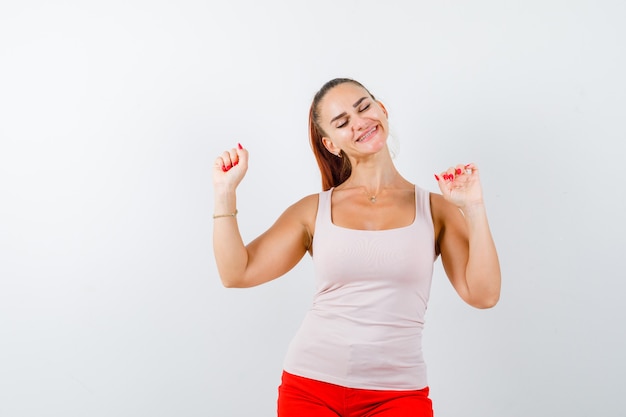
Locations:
column 374, row 174
column 374, row 184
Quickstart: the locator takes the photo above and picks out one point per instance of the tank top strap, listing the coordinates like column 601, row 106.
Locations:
column 323, row 219
column 422, row 203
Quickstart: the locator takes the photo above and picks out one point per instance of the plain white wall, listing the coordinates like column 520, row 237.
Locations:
column 111, row 114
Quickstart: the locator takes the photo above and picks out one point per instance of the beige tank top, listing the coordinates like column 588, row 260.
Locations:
column 364, row 329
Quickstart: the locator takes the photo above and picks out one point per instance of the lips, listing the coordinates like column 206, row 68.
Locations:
column 366, row 135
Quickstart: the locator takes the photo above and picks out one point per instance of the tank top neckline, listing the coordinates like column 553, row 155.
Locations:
column 329, row 214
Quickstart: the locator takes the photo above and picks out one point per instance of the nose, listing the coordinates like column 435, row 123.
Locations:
column 359, row 123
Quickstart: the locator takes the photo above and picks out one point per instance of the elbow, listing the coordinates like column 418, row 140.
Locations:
column 237, row 281
column 231, row 283
column 228, row 284
column 485, row 293
column 232, row 279
column 486, row 302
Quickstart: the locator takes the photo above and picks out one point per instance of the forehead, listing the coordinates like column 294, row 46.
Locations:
column 341, row 99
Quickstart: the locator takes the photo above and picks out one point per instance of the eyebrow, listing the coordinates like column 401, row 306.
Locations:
column 355, row 105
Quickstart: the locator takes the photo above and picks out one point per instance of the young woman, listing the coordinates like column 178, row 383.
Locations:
column 373, row 237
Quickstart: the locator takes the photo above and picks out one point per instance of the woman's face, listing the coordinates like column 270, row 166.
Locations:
column 353, row 121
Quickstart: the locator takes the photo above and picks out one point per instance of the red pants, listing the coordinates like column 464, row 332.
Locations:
column 303, row 397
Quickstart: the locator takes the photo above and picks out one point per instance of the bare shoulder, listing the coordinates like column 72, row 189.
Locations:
column 304, row 211
column 301, row 215
column 306, row 205
column 446, row 216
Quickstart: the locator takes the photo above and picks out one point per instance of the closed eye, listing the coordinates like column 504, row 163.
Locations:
column 362, row 109
column 343, row 123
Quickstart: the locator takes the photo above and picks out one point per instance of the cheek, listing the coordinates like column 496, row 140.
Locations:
column 343, row 136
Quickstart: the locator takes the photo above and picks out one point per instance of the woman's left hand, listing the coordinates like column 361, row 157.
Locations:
column 460, row 185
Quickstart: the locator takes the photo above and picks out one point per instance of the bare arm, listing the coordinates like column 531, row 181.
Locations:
column 468, row 252
column 268, row 256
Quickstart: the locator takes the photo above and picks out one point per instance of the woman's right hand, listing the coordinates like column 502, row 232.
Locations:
column 230, row 168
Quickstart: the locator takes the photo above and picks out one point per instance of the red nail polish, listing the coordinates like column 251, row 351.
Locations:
column 436, row 177
column 239, row 146
column 235, row 163
column 224, row 169
column 458, row 171
column 468, row 165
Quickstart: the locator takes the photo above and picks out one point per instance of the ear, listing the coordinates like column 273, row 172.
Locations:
column 382, row 106
column 330, row 146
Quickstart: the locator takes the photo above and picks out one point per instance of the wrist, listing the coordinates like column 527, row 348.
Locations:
column 473, row 209
column 224, row 200
column 232, row 214
column 224, row 189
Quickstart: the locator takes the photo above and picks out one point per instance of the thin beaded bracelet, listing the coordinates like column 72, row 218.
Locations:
column 233, row 214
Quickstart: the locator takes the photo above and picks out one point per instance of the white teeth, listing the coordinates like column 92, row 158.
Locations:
column 368, row 134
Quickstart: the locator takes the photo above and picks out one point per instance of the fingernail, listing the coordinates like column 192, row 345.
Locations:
column 468, row 165
column 436, row 177
column 458, row 171
column 239, row 146
column 235, row 163
column 224, row 168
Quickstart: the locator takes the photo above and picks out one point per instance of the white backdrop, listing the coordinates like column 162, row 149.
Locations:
column 111, row 114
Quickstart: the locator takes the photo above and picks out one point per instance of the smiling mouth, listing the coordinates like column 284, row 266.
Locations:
column 368, row 134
